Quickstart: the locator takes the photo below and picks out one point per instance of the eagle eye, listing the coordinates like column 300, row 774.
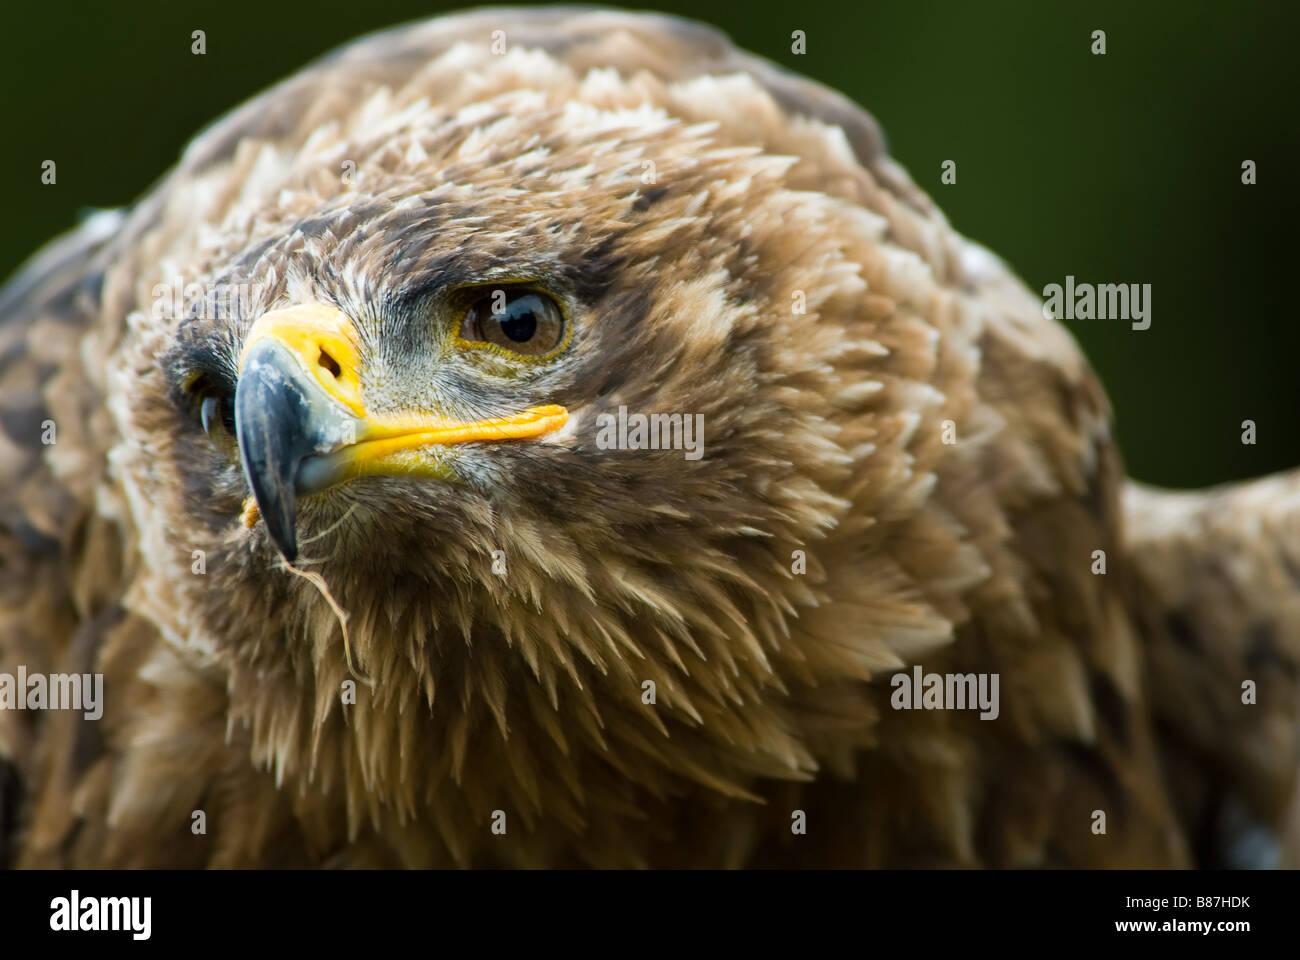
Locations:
column 216, row 406
column 521, row 321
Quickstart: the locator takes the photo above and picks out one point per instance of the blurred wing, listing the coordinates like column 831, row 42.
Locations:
column 1217, row 594
column 59, row 565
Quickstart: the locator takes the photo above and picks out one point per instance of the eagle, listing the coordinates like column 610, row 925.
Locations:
column 555, row 437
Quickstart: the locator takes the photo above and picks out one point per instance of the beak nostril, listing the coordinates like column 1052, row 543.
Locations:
column 329, row 363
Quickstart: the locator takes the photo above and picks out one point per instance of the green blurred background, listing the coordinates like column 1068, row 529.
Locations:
column 1117, row 168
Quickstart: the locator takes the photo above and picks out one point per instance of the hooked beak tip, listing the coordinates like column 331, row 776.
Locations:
column 271, row 429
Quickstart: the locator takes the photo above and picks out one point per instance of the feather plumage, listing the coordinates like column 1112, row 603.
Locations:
column 523, row 692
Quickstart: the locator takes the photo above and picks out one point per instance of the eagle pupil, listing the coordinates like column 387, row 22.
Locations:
column 520, row 324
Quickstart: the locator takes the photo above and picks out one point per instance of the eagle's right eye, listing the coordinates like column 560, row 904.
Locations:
column 216, row 407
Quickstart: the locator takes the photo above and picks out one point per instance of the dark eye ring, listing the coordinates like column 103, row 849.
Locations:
column 522, row 321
